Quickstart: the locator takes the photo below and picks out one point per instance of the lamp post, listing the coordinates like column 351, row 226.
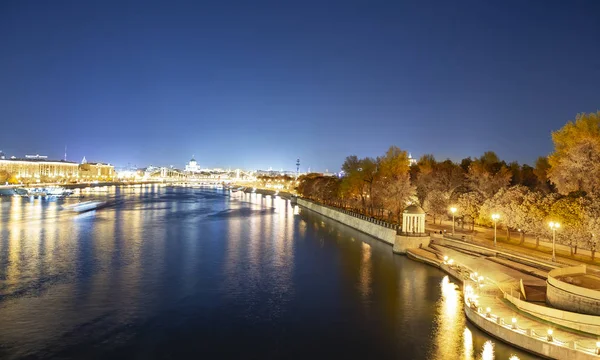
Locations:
column 495, row 217
column 554, row 226
column 453, row 210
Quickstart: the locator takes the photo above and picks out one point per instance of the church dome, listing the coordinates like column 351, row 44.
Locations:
column 414, row 209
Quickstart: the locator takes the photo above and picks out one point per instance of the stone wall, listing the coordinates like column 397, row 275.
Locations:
column 523, row 341
column 586, row 323
column 563, row 295
column 377, row 231
column 403, row 243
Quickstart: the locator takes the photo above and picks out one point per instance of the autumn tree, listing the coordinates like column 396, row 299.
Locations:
column 569, row 211
column 488, row 175
column 506, row 202
column 542, row 167
column 468, row 205
column 392, row 183
column 6, row 177
column 575, row 162
column 439, row 178
column 436, row 204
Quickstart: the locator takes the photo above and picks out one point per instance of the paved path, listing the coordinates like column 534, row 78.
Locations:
column 499, row 277
column 485, row 238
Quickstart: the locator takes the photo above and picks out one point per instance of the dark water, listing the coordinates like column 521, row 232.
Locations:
column 170, row 273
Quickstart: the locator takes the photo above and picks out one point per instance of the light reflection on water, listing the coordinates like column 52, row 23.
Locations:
column 488, row 351
column 166, row 274
column 468, row 344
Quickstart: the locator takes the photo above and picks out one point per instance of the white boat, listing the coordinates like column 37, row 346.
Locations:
column 85, row 206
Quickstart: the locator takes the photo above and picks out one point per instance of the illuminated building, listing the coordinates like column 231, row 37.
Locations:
column 192, row 166
column 411, row 161
column 37, row 168
column 91, row 171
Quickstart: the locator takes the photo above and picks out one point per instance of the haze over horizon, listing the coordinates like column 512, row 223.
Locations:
column 260, row 84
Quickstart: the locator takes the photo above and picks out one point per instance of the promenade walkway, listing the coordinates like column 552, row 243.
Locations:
column 485, row 237
column 488, row 294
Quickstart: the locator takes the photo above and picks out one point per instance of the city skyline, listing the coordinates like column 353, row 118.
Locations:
column 260, row 86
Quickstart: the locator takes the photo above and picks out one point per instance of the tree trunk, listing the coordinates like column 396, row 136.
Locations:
column 522, row 238
column 507, row 233
column 537, row 241
column 571, row 248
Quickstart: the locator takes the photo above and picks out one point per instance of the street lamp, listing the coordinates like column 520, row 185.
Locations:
column 453, row 210
column 554, row 226
column 495, row 217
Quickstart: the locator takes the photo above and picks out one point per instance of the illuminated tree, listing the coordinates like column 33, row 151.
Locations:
column 436, row 204
column 488, row 175
column 469, row 205
column 392, row 181
column 569, row 211
column 575, row 162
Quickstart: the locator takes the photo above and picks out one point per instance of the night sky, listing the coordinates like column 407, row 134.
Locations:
column 255, row 84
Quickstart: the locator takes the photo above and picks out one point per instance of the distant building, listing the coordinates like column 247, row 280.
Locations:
column 37, row 168
column 411, row 161
column 192, row 166
column 93, row 171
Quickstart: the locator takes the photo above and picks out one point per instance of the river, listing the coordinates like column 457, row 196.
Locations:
column 173, row 272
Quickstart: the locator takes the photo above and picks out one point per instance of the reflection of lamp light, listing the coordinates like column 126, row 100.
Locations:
column 549, row 337
column 514, row 323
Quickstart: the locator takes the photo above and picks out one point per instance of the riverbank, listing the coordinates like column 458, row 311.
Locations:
column 486, row 284
column 283, row 194
column 488, row 293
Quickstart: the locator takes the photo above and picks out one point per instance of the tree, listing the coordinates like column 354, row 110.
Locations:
column 437, row 204
column 444, row 177
column 506, row 203
column 392, row 184
column 569, row 211
column 531, row 213
column 575, row 162
column 6, row 177
column 468, row 206
column 488, row 175
column 542, row 167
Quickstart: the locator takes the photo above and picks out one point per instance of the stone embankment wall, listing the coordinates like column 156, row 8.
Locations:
column 581, row 322
column 377, row 231
column 404, row 243
column 525, row 342
column 563, row 295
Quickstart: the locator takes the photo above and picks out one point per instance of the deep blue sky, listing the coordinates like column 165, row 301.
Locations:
column 256, row 83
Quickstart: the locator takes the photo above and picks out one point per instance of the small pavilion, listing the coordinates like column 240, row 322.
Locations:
column 413, row 220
